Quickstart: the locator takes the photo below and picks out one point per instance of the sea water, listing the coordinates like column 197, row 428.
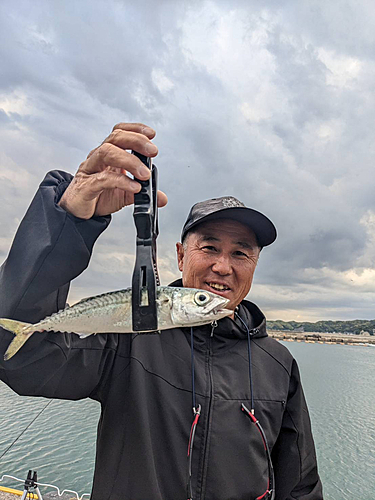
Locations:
column 339, row 383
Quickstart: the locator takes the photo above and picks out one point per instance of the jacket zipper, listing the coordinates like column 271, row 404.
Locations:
column 203, row 491
column 213, row 326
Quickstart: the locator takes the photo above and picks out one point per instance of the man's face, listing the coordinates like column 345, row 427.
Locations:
column 219, row 256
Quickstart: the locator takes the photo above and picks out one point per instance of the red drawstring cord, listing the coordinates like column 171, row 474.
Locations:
column 193, row 426
column 250, row 414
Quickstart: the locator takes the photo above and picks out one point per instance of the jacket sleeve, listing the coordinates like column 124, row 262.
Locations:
column 51, row 247
column 293, row 455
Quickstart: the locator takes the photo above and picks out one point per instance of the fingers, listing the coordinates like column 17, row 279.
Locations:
column 125, row 139
column 140, row 128
column 118, row 199
column 136, row 139
column 110, row 179
column 162, row 199
column 112, row 154
column 101, row 184
column 109, row 155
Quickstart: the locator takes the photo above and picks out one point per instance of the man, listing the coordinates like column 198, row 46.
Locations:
column 180, row 410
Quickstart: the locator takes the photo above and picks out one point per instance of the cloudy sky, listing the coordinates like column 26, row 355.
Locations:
column 274, row 105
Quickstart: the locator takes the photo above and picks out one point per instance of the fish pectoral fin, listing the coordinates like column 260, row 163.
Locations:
column 18, row 329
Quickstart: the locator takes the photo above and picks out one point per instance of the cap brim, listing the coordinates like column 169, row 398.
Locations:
column 263, row 228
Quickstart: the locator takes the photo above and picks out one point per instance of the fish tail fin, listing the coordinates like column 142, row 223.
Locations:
column 19, row 329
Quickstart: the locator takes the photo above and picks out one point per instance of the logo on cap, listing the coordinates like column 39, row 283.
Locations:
column 231, row 202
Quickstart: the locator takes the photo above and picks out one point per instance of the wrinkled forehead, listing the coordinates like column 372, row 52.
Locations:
column 226, row 228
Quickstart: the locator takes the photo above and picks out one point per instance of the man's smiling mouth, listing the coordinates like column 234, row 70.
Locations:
column 217, row 286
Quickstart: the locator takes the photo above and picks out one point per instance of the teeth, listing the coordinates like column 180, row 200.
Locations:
column 216, row 286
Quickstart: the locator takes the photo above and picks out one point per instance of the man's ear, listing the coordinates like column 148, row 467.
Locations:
column 180, row 255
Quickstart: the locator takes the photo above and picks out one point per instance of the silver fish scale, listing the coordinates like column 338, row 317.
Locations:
column 90, row 303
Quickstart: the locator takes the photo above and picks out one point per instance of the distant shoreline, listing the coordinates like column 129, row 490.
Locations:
column 323, row 338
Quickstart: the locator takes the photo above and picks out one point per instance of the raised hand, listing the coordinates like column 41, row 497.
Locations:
column 101, row 185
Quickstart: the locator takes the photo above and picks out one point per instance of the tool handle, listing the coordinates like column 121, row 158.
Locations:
column 145, row 275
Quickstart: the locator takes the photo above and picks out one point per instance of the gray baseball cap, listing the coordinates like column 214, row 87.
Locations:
column 228, row 207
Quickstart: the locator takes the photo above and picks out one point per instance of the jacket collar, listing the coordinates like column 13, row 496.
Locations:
column 249, row 313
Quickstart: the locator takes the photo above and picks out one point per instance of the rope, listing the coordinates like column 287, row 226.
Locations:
column 25, row 429
column 192, row 366
column 249, row 354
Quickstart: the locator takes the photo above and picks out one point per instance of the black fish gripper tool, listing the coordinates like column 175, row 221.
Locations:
column 145, row 275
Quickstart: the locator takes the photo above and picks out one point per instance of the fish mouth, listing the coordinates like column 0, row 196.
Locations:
column 217, row 307
column 221, row 313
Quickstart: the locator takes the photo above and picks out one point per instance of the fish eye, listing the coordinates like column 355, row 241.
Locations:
column 201, row 298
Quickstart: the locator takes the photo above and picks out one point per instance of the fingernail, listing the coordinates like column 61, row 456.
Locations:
column 150, row 148
column 143, row 171
column 135, row 186
column 148, row 131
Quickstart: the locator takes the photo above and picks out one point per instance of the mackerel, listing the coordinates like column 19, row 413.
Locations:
column 112, row 313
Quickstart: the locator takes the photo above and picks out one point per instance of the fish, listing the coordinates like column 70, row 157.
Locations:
column 112, row 313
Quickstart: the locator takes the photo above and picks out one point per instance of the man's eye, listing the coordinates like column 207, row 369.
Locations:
column 240, row 254
column 210, row 248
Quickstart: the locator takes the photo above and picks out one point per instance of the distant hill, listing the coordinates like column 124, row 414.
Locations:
column 356, row 326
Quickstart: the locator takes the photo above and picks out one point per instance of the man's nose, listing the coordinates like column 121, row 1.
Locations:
column 222, row 265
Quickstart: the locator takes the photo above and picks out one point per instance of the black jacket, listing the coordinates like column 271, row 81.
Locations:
column 144, row 382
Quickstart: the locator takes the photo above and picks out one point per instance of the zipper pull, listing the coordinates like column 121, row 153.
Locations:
column 214, row 325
